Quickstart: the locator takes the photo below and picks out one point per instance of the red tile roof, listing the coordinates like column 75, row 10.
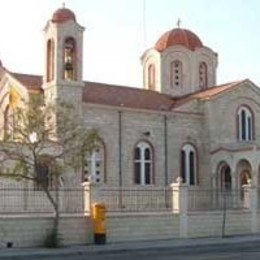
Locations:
column 178, row 36
column 112, row 95
column 63, row 15
column 217, row 89
column 31, row 82
column 208, row 93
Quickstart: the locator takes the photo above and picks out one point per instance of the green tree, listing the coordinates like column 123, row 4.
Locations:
column 40, row 142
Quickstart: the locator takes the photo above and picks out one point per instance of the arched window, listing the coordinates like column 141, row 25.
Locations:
column 94, row 165
column 6, row 122
column 69, row 59
column 245, row 124
column 46, row 177
column 50, row 60
column 151, row 77
column 10, row 126
column 143, row 164
column 189, row 164
column 9, row 122
column 176, row 74
column 203, row 75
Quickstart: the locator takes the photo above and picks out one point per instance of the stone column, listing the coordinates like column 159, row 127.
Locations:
column 254, row 177
column 180, row 204
column 234, row 190
column 215, row 186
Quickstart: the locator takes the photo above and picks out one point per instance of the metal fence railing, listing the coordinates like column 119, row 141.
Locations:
column 28, row 200
column 15, row 199
column 258, row 197
column 136, row 199
column 215, row 199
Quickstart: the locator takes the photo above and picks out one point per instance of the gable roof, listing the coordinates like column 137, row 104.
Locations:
column 112, row 95
column 210, row 92
column 217, row 89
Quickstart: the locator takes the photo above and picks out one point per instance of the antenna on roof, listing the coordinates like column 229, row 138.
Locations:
column 144, row 23
column 178, row 23
column 63, row 5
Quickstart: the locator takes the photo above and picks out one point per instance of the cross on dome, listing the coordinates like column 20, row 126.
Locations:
column 178, row 23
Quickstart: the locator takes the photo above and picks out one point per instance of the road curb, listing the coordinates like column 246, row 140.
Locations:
column 179, row 245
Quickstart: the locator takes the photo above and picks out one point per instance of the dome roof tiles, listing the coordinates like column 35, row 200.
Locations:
column 178, row 36
column 62, row 15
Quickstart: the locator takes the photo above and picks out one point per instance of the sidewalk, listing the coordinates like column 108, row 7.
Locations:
column 24, row 253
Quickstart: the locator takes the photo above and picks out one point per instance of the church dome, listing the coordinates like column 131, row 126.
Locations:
column 178, row 36
column 63, row 15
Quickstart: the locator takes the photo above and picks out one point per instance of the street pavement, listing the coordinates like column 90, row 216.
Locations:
column 248, row 251
column 134, row 247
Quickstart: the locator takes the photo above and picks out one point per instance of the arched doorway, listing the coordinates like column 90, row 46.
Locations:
column 223, row 193
column 224, row 177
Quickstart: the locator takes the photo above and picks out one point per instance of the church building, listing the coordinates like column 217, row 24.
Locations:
column 178, row 124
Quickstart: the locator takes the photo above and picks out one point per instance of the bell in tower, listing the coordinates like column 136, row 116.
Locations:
column 69, row 59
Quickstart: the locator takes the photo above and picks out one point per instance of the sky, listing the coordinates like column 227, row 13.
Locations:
column 117, row 32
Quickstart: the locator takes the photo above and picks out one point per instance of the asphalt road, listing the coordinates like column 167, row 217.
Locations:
column 248, row 251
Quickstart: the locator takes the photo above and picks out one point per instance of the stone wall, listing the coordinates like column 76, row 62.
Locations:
column 182, row 128
column 142, row 226
column 152, row 226
column 30, row 231
column 209, row 223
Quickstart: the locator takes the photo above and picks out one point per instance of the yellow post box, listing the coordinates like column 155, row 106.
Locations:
column 98, row 215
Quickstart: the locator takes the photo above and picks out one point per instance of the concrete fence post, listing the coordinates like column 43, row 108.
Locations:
column 253, row 209
column 180, row 204
column 91, row 194
column 250, row 202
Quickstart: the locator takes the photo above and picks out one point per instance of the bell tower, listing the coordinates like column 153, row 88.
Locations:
column 63, row 38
